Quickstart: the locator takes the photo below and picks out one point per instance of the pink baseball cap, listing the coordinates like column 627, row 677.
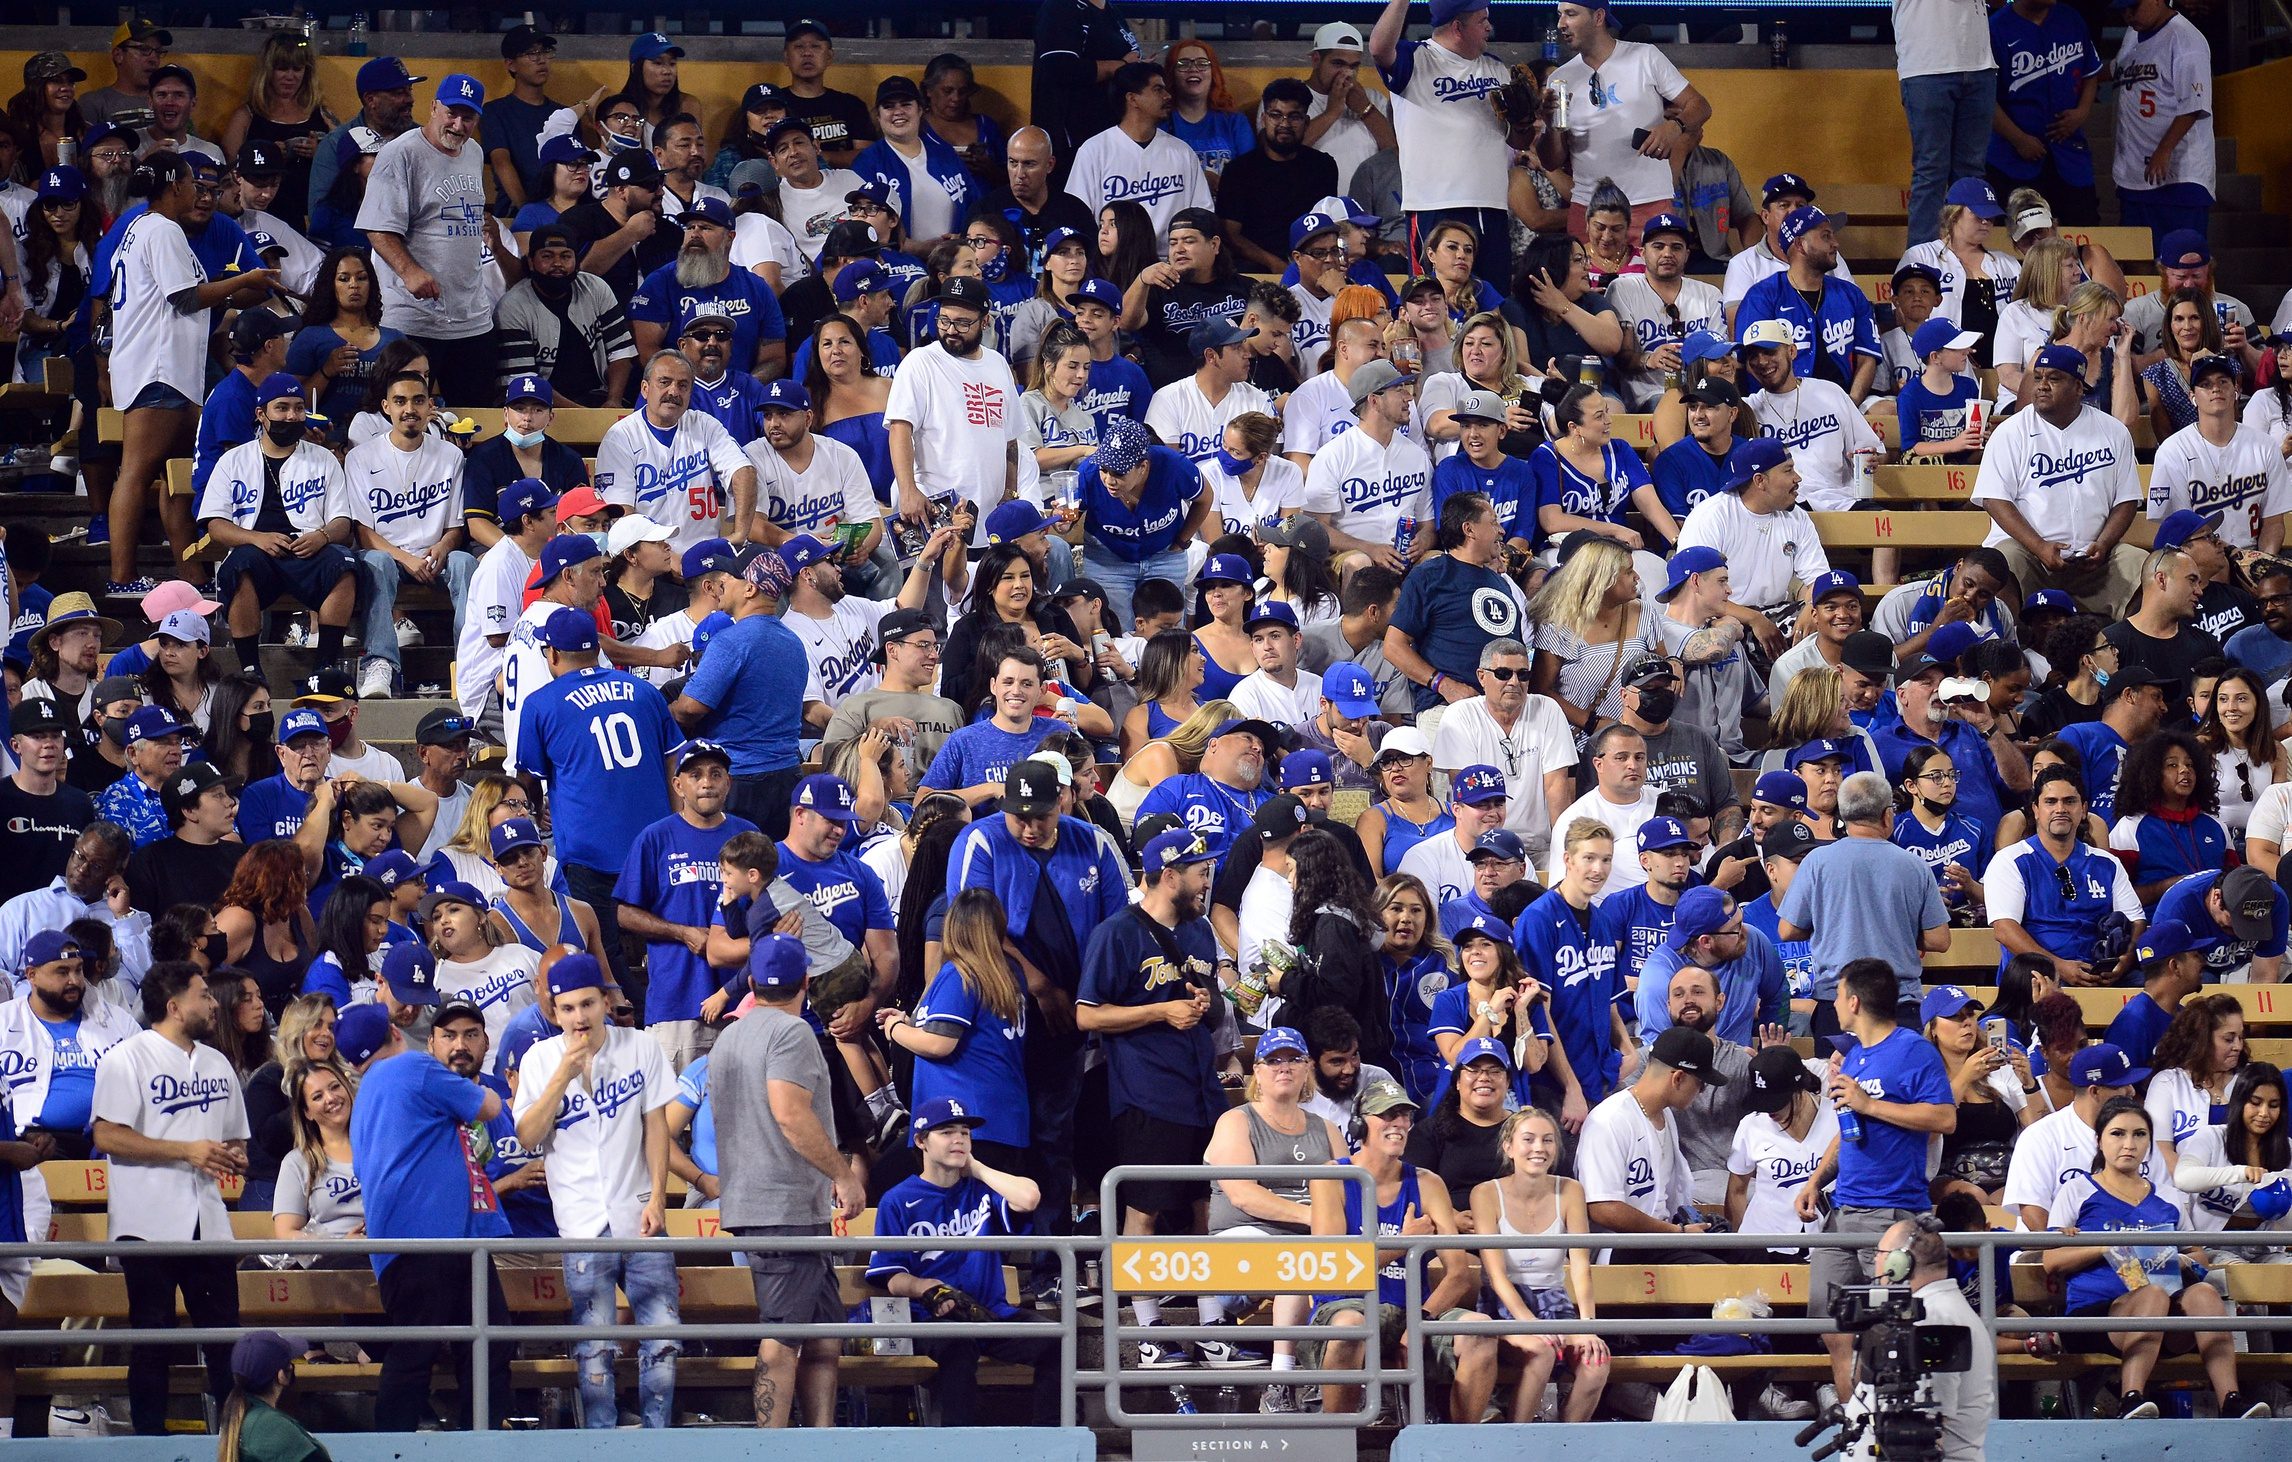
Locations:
column 174, row 595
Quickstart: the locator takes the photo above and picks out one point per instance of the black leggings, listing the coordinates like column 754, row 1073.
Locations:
column 434, row 1289
column 211, row 1301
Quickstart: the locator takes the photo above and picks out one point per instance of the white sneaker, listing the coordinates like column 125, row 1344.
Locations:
column 1777, row 1404
column 1826, row 1396
column 409, row 633
column 374, row 681
column 1277, row 1401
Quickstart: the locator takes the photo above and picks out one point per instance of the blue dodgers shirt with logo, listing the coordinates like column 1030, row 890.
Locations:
column 1509, row 485
column 1134, row 535
column 1559, row 948
column 2102, row 1212
column 603, row 735
column 418, row 1158
column 1887, row 1168
column 987, row 1071
column 983, row 753
column 2101, row 751
column 2186, row 901
column 1450, row 610
column 528, row 1208
column 1207, row 806
column 1411, row 992
column 1159, row 1070
column 71, row 1078
column 1635, row 924
column 672, row 872
column 736, row 400
column 741, row 297
column 917, row 1209
column 1118, row 387
column 845, row 891
column 1560, row 485
column 1685, row 474
column 1844, row 328
column 2042, row 67
column 271, row 808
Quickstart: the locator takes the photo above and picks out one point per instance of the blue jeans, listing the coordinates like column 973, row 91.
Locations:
column 378, row 578
column 650, row 1281
column 1949, row 119
column 1120, row 578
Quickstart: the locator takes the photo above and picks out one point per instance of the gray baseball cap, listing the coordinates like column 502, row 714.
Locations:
column 1377, row 375
column 1477, row 406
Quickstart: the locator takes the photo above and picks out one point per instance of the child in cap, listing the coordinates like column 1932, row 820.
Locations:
column 1939, row 408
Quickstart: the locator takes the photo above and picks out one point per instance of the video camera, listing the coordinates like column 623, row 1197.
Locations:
column 1895, row 1356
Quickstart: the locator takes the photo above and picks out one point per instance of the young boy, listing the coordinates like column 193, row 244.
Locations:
column 1118, row 385
column 1934, row 407
column 1917, row 294
column 1479, row 465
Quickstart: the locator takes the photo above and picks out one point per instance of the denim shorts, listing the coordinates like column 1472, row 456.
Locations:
column 160, row 396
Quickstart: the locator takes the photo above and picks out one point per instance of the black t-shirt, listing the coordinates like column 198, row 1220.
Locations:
column 1171, row 314
column 37, row 833
column 2171, row 659
column 2055, row 709
column 1463, row 1154
column 172, row 871
column 1754, row 881
column 271, row 516
column 1248, row 851
column 588, row 222
column 1060, row 210
column 573, row 376
column 836, row 118
column 2224, row 610
column 630, row 617
column 1069, row 102
column 1265, row 195
column 91, row 771
column 804, row 305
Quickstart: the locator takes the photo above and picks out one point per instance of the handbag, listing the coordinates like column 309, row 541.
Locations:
column 1695, row 1394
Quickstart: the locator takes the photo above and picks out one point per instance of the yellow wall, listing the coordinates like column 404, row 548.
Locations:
column 2251, row 109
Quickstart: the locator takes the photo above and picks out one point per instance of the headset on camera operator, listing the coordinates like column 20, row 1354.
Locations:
column 1938, row 1404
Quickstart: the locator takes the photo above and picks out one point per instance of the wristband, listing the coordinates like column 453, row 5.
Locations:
column 1439, row 676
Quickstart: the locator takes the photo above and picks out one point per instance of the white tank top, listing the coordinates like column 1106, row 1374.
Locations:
column 1533, row 1268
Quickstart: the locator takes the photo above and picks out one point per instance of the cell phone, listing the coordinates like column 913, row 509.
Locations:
column 2000, row 1038
column 1639, row 139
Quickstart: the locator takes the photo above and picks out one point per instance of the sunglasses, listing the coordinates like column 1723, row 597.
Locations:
column 708, row 334
column 1504, row 673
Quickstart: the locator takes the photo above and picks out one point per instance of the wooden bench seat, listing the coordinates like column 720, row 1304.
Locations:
column 693, row 1373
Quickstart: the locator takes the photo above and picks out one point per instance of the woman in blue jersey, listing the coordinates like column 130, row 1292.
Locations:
column 1556, row 946
column 1930, row 827
column 2135, row 1279
column 1585, row 478
column 1170, row 671
column 353, row 925
column 2167, row 793
column 1226, row 583
column 340, row 345
column 1408, row 813
column 1494, row 998
column 1417, row 974
column 968, row 1032
column 848, row 398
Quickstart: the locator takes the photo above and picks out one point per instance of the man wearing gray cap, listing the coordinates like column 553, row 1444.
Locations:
column 1371, row 486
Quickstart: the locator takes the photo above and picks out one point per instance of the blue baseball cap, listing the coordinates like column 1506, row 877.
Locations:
column 1804, row 221
column 1749, row 459
column 2056, row 601
column 708, row 629
column 1174, row 849
column 1271, row 611
column 1307, row 768
column 1668, row 223
column 563, row 552
column 1102, row 292
column 392, row 868
column 571, row 630
column 152, row 723
column 1701, row 910
column 529, row 388
column 826, row 794
column 63, row 182
column 2105, row 1065
column 1224, row 568
column 47, row 946
column 700, row 748
column 1444, row 11
column 1837, row 581
column 1309, row 226
column 296, row 724
column 565, row 147
column 1944, row 1002
column 1123, row 443
column 709, row 556
column 2183, row 248
column 2270, row 1201
column 2166, row 938
column 364, row 1030
column 1686, row 563
column 462, row 90
column 1704, row 345
column 1659, row 833
column 861, row 276
column 707, row 210
column 385, row 73
column 1482, row 1048
column 1483, row 926
column 1214, row 335
column 1476, row 784
column 1950, row 641
column 1822, row 748
column 1502, row 844
column 2182, row 524
column 450, row 890
column 776, row 962
column 411, row 972
column 576, row 972
column 1014, row 520
column 1781, row 789
column 277, row 386
column 1786, row 185
column 803, row 550
column 1940, row 334
column 1976, row 194
column 652, row 45
column 1059, row 238
column 2064, row 358
column 517, row 832
column 941, row 1112
column 1278, row 1039
column 1351, row 689
column 524, row 498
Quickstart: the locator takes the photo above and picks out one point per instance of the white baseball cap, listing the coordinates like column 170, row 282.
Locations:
column 1402, row 741
column 631, row 529
column 1338, row 36
column 2030, row 220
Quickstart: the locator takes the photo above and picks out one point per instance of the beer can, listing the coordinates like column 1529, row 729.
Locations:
column 1404, row 533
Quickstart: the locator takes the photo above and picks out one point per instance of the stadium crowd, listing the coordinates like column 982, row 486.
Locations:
column 1138, row 639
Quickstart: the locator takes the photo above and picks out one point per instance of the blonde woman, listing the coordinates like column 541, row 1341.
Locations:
column 1590, row 623
column 1173, row 754
column 282, row 109
column 494, row 800
column 1249, row 483
column 1487, row 359
column 2092, row 322
column 318, row 1192
column 1976, row 279
column 1541, row 1284
column 2049, row 275
column 1813, row 705
column 305, row 1038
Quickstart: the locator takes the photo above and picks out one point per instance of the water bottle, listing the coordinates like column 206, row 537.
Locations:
column 1552, row 44
column 1779, row 47
column 357, row 45
column 1182, row 1401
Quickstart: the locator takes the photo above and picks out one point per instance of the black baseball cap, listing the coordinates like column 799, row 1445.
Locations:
column 1690, row 1051
column 635, row 168
column 1791, row 838
column 960, row 289
column 456, row 1007
column 1712, row 391
column 190, row 784
column 898, row 625
column 1031, row 789
column 519, row 39
column 2134, row 677
column 1278, row 817
column 444, row 727
column 852, row 239
column 260, row 159
column 1868, row 651
column 39, row 716
column 1778, row 1073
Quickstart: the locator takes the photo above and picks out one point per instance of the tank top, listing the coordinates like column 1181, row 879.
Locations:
column 525, row 933
column 280, row 979
column 293, row 201
column 1532, row 1269
column 1401, row 834
column 1159, row 723
column 1271, row 1147
column 1391, row 1283
column 867, row 435
column 1217, row 681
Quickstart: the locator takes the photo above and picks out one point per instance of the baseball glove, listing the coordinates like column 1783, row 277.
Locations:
column 966, row 1309
column 1519, row 100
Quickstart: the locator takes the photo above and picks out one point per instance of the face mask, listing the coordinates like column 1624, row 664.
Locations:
column 1933, row 808
column 2100, row 677
column 623, row 144
column 1656, row 706
column 217, row 948
column 261, row 728
column 524, row 438
column 1234, row 466
column 283, row 433
column 597, row 538
column 338, row 733
column 115, row 731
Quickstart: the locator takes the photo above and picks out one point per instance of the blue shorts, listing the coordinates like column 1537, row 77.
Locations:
column 162, row 397
column 306, row 580
column 2164, row 210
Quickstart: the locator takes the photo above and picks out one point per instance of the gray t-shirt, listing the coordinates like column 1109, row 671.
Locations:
column 1325, row 645
column 1707, row 1127
column 936, row 718
column 1861, row 898
column 1715, row 693
column 766, row 1181
column 1040, row 426
column 333, row 1207
column 1683, row 757
column 825, row 946
column 436, row 204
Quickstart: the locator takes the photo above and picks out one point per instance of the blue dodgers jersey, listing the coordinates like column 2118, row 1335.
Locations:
column 672, row 872
column 737, row 403
column 1509, row 485
column 1635, row 924
column 1134, row 535
column 1560, row 485
column 1411, row 992
column 742, row 297
column 916, row 1209
column 271, row 809
column 2102, row 1212
column 1118, row 387
column 2041, row 72
column 1579, row 969
column 1887, row 1169
column 1844, row 329
column 1207, row 807
column 988, row 1067
column 603, row 736
column 845, row 891
column 530, row 1214
column 2102, row 753
column 2185, row 901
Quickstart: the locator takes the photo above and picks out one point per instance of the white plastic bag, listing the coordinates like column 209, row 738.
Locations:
column 1695, row 1394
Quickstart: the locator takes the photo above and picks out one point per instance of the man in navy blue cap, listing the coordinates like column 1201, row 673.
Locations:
column 385, row 107
column 258, row 351
column 40, row 813
column 1217, row 800
column 523, row 449
column 866, row 291
column 701, row 281
column 425, row 215
column 1638, row 919
column 2171, row 959
column 1830, row 319
column 810, row 485
column 154, row 744
column 748, row 693
column 2184, row 260
column 1774, row 555
column 1190, row 412
column 1277, row 692
column 1991, row 770
column 2218, row 465
column 2059, row 481
column 1118, row 384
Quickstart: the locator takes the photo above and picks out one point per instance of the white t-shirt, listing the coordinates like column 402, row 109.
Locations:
column 2271, row 815
column 2264, row 413
column 1539, row 744
column 2178, row 1107
column 524, row 669
column 663, row 633
column 1636, row 81
column 2160, row 78
column 1621, row 1157
column 1621, row 818
column 808, row 213
column 1747, row 267
column 1187, row 423
column 374, row 764
column 2065, row 481
column 1370, row 487
column 299, row 269
column 153, row 342
column 2053, row 1150
column 312, row 487
column 1642, row 312
column 839, row 650
column 1280, row 491
column 1317, row 412
column 1939, row 37
column 598, row 1181
column 2001, row 270
column 832, row 488
column 1263, row 913
column 684, row 483
column 411, row 499
column 496, row 590
column 1162, row 177
column 2023, row 330
column 1824, row 429
column 1348, row 139
column 1261, row 696
column 759, row 238
column 1442, row 866
column 500, row 985
column 1764, row 551
column 1779, row 1165
column 2246, row 482
column 154, row 1086
column 1452, row 147
column 965, row 413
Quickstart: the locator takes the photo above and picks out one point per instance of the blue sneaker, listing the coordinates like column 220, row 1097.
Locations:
column 99, row 529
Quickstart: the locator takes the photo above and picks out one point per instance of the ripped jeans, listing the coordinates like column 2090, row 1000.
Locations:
column 649, row 1280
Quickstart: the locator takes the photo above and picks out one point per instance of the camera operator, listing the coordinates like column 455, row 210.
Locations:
column 1912, row 1252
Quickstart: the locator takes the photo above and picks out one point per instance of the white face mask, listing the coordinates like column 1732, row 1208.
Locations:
column 523, row 438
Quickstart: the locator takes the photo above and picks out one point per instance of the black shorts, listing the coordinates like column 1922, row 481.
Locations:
column 307, row 580
column 1143, row 1139
column 2096, row 1342
column 793, row 1288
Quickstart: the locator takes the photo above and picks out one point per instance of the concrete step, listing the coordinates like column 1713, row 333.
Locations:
column 2240, row 230
column 2237, row 192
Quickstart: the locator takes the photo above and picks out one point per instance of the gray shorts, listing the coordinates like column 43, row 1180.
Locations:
column 1831, row 1268
column 793, row 1288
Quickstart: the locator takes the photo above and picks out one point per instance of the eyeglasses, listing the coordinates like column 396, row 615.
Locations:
column 1284, row 1058
column 1327, row 255
column 1504, row 673
column 108, row 154
column 977, row 241
column 1192, row 63
column 1949, row 778
column 622, row 119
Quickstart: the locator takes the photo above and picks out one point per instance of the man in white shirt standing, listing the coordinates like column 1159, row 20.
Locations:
column 406, row 503
column 527, row 513
column 953, row 414
column 675, row 465
column 1190, row 415
column 1949, row 89
column 2059, row 481
column 593, row 1102
column 1455, row 153
column 1277, row 690
column 1620, row 800
column 1766, row 540
column 1522, row 735
column 2216, row 464
column 1628, row 108
column 1135, row 160
column 1345, row 119
column 2164, row 162
column 1370, row 487
column 169, row 1114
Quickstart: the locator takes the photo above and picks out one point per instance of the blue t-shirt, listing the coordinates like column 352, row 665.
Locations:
column 2163, row 848
column 512, row 125
column 270, row 808
column 1560, row 949
column 916, row 1208
column 1797, row 955
column 1936, row 416
column 529, row 1211
column 1207, row 806
column 1158, row 1070
column 882, row 352
column 324, row 977
column 418, row 1159
column 1217, row 139
column 2042, row 67
column 673, row 874
column 225, row 420
column 987, row 1073
column 983, row 753
column 526, row 1028
column 2100, row 1212
column 1118, row 387
column 71, row 1082
column 1887, row 1168
column 692, row 1090
column 1450, row 610
column 752, row 681
column 603, row 736
column 1844, row 328
column 2138, row 1027
column 1982, row 794
column 2101, row 752
column 743, row 298
column 2186, row 901
column 1509, row 485
column 1411, row 990
column 345, row 394
column 2256, row 647
column 1632, row 921
column 1753, row 988
column 1604, row 500
column 1134, row 535
column 1685, row 475
column 1859, row 897
column 845, row 891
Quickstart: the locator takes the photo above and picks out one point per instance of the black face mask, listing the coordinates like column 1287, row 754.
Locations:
column 115, row 731
column 1656, row 706
column 284, row 433
column 261, row 728
column 217, row 948
column 1933, row 808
